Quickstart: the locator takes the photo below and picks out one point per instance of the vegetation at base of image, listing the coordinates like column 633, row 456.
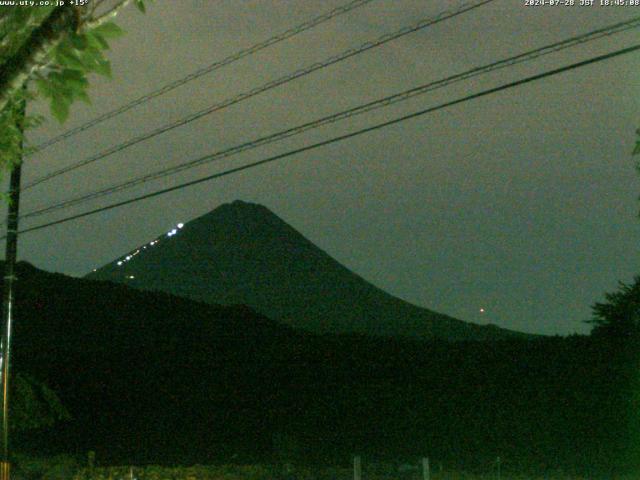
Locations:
column 34, row 404
column 271, row 472
column 56, row 467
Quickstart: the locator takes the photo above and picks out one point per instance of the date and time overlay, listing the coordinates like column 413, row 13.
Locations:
column 581, row 3
column 526, row 3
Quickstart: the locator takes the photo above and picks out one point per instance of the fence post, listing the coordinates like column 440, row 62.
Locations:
column 426, row 473
column 357, row 468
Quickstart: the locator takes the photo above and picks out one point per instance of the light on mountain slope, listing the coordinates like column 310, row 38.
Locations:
column 129, row 257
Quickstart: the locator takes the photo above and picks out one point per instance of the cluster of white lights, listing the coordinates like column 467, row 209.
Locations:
column 131, row 277
column 172, row 232
column 129, row 257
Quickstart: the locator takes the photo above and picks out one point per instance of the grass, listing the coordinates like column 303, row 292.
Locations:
column 266, row 472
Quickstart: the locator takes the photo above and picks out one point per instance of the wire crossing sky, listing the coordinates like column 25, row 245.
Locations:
column 206, row 70
column 340, row 138
column 518, row 208
column 347, row 54
column 361, row 109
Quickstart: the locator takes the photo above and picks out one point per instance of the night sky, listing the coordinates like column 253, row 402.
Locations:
column 522, row 203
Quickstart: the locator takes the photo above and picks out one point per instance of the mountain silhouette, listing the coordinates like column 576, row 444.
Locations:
column 242, row 253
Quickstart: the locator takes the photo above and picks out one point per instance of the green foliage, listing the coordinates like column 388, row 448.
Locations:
column 16, row 25
column 140, row 5
column 34, row 405
column 263, row 472
column 65, row 81
column 61, row 77
column 12, row 124
column 196, row 472
column 12, row 121
column 59, row 467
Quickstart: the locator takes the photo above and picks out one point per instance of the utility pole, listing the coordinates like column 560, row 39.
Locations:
column 11, row 253
column 426, row 471
column 357, row 467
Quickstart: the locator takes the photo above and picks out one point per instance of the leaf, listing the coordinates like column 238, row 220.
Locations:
column 103, row 68
column 66, row 57
column 83, row 97
column 78, row 41
column 140, row 6
column 44, row 87
column 60, row 108
column 72, row 85
column 75, row 79
column 90, row 59
column 108, row 30
column 69, row 74
column 97, row 41
column 59, row 87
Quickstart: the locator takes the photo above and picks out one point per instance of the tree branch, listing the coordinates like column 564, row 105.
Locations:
column 95, row 5
column 17, row 69
column 108, row 15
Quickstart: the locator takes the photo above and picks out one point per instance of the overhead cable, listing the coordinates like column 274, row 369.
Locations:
column 204, row 71
column 339, row 138
column 263, row 88
column 358, row 110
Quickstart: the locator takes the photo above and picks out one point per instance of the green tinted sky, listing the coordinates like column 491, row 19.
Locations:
column 522, row 203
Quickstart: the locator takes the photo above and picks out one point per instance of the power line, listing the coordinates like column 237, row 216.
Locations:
column 465, row 7
column 358, row 110
column 205, row 70
column 340, row 138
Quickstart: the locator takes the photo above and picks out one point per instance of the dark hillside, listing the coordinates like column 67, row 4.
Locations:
column 150, row 377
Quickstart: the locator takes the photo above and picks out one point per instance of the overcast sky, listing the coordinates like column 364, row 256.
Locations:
column 523, row 203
